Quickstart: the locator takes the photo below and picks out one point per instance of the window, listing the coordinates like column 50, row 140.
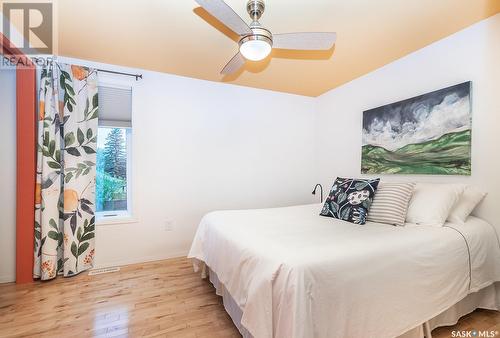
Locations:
column 111, row 177
column 114, row 153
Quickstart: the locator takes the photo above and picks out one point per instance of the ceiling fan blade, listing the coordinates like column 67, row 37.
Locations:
column 304, row 41
column 233, row 65
column 226, row 15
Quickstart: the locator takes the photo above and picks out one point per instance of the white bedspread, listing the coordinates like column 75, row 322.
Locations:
column 297, row 274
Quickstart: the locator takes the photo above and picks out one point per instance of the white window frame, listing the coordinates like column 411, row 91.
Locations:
column 122, row 216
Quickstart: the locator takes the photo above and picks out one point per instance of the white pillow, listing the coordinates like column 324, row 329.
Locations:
column 464, row 206
column 431, row 203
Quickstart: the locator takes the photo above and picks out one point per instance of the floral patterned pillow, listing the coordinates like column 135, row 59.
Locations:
column 350, row 199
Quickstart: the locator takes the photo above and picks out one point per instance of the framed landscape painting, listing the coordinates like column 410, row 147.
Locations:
column 427, row 134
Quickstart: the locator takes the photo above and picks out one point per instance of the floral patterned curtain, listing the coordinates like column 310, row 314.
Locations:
column 66, row 162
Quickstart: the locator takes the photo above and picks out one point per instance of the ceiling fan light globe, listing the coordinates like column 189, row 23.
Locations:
column 255, row 50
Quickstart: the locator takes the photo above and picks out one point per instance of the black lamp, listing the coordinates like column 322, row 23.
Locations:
column 321, row 190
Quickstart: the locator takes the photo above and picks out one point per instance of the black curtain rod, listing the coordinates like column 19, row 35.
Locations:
column 137, row 76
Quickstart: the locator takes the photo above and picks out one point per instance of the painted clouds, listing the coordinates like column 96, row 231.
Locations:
column 418, row 119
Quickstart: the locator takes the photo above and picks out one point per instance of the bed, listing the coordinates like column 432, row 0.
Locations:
column 287, row 272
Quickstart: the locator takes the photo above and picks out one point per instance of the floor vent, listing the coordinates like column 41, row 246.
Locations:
column 103, row 270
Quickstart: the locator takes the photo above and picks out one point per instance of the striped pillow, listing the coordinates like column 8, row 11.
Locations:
column 390, row 203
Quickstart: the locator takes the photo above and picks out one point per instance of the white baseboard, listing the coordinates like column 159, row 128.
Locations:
column 137, row 260
column 7, row 279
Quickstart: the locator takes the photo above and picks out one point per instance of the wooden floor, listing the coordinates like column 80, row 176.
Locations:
column 159, row 299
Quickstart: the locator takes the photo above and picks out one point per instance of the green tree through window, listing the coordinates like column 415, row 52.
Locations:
column 115, row 160
column 111, row 177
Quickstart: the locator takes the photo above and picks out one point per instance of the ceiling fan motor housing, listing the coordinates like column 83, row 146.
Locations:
column 255, row 9
column 260, row 34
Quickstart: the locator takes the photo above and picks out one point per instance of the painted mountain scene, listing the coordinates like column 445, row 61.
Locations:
column 427, row 134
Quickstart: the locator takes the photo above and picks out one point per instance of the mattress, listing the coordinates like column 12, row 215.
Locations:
column 296, row 274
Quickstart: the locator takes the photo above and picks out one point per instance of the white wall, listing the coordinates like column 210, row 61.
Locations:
column 472, row 54
column 8, row 175
column 199, row 146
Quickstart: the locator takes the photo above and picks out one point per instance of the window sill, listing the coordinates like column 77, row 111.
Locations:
column 102, row 221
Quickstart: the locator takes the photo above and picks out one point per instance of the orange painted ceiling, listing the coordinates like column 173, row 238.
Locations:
column 176, row 36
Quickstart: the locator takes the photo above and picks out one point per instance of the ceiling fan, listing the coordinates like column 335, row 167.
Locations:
column 256, row 42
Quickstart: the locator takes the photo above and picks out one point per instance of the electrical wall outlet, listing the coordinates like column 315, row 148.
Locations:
column 169, row 225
